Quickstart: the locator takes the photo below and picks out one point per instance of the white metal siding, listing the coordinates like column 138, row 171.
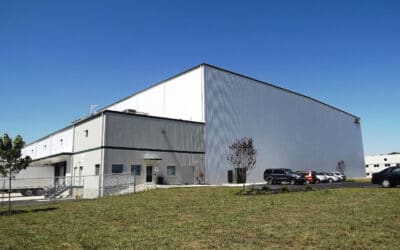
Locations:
column 381, row 161
column 50, row 145
column 179, row 97
column 93, row 140
column 289, row 130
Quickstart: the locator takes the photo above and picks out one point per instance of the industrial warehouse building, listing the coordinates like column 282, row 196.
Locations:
column 377, row 163
column 180, row 129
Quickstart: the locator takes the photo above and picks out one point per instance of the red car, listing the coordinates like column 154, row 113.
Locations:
column 309, row 175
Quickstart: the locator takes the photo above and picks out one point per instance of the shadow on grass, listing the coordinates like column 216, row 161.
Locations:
column 36, row 210
column 265, row 190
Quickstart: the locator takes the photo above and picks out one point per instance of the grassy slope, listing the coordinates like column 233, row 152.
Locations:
column 213, row 217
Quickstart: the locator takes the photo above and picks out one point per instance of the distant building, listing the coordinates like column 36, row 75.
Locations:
column 377, row 163
column 181, row 128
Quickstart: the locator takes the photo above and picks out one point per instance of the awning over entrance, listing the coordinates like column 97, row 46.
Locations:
column 64, row 157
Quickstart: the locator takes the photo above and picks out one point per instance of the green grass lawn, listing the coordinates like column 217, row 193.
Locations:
column 213, row 218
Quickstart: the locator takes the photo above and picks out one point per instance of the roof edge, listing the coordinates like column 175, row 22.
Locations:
column 281, row 88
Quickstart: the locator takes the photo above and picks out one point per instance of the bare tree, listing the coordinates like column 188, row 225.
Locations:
column 341, row 167
column 242, row 156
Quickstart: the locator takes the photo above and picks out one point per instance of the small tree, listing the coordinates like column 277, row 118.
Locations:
column 11, row 161
column 242, row 155
column 341, row 167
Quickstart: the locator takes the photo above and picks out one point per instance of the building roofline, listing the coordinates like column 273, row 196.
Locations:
column 281, row 88
column 114, row 112
column 177, row 75
column 153, row 117
column 47, row 136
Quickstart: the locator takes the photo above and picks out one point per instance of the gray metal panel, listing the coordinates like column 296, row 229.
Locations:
column 124, row 130
column 289, row 130
column 185, row 164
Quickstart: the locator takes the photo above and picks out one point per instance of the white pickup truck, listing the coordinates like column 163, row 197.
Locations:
column 30, row 181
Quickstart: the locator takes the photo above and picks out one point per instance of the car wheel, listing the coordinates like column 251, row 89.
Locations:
column 386, row 183
column 292, row 182
column 330, row 180
column 307, row 182
column 39, row 192
column 27, row 192
column 317, row 181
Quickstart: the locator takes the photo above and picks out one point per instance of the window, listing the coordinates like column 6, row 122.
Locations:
column 170, row 170
column 385, row 159
column 44, row 146
column 279, row 171
column 86, row 132
column 117, row 168
column 136, row 169
column 367, row 174
column 61, row 142
column 396, row 171
column 387, row 165
column 97, row 169
column 376, row 165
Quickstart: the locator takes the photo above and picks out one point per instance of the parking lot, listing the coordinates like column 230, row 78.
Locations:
column 321, row 186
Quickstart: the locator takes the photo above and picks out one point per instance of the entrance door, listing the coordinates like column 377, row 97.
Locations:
column 59, row 173
column 149, row 173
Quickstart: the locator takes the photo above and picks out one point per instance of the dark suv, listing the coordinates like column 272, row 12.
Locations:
column 388, row 177
column 279, row 175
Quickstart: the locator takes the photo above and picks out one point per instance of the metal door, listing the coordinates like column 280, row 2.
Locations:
column 149, row 173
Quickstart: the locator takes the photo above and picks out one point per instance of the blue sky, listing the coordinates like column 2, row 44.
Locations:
column 58, row 57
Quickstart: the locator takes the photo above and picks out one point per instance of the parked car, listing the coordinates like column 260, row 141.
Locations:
column 322, row 177
column 342, row 177
column 280, row 175
column 331, row 177
column 309, row 175
column 389, row 177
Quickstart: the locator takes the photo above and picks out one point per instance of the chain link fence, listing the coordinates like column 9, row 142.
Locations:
column 33, row 191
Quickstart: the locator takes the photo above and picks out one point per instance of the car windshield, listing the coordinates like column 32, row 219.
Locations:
column 329, row 174
column 387, row 170
column 289, row 171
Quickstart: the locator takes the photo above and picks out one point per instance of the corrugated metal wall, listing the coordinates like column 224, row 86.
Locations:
column 131, row 139
column 132, row 131
column 289, row 130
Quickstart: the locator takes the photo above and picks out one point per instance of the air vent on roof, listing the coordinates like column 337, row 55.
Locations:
column 133, row 111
